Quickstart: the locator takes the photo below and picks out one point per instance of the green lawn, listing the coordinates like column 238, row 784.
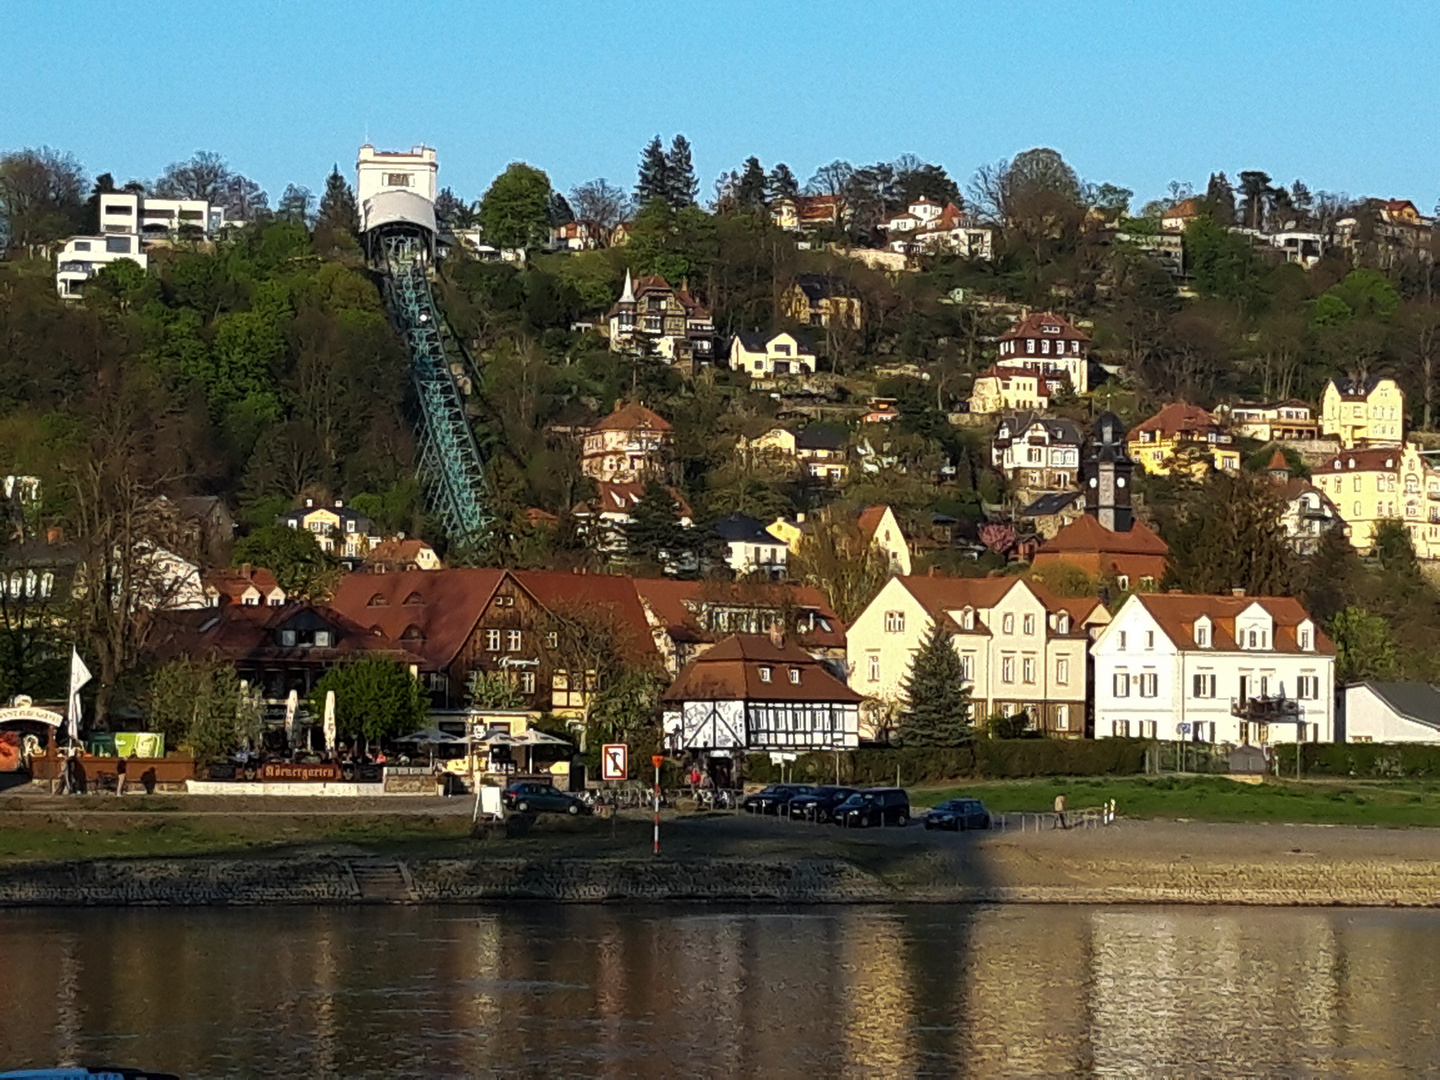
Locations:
column 1204, row 798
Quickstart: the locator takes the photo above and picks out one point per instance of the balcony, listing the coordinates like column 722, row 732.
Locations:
column 1266, row 709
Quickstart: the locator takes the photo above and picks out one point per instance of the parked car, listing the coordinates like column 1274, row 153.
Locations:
column 874, row 806
column 531, row 797
column 959, row 815
column 774, row 799
column 820, row 804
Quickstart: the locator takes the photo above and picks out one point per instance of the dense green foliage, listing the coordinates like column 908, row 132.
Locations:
column 200, row 706
column 935, row 708
column 375, row 698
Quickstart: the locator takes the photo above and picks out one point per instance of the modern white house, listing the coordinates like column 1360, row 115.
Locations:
column 1392, row 712
column 764, row 355
column 129, row 223
column 753, row 549
column 83, row 257
column 396, row 186
column 1215, row 669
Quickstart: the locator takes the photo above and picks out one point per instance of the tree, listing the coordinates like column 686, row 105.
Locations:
column 1220, row 199
column 673, row 244
column 243, row 200
column 1230, row 535
column 375, row 698
column 206, row 176
column 295, row 205
column 493, row 690
column 654, row 180
column 681, row 187
column 41, row 196
column 654, row 532
column 338, row 210
column 916, row 179
column 294, row 556
column 781, row 184
column 935, row 710
column 1364, row 648
column 1255, row 194
column 453, row 211
column 515, row 211
column 200, row 704
column 839, row 560
column 750, row 190
column 601, row 203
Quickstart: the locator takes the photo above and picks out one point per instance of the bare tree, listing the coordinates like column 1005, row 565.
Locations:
column 603, row 203
column 987, row 191
column 42, row 196
column 204, row 176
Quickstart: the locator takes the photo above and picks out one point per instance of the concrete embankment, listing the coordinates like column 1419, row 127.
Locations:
column 1151, row 863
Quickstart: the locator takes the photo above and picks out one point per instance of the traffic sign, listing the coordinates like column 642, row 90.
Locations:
column 614, row 761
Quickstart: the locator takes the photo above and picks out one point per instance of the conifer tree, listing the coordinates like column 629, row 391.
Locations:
column 1220, row 199
column 653, row 531
column 750, row 189
column 936, row 709
column 337, row 206
column 654, row 182
column 681, row 187
column 782, row 183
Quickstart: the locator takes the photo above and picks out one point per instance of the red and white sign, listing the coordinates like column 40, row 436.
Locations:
column 614, row 761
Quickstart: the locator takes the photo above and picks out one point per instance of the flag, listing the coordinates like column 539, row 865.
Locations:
column 79, row 676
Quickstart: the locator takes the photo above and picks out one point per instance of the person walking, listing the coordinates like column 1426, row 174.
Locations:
column 1060, row 822
column 119, row 775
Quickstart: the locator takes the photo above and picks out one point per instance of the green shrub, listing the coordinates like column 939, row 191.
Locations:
column 1371, row 761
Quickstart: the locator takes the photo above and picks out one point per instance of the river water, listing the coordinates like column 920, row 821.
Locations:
column 650, row 992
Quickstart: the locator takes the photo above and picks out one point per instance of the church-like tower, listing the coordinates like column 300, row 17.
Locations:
column 1107, row 471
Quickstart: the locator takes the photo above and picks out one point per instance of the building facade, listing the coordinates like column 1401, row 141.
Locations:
column 1363, row 412
column 767, row 355
column 1182, row 437
column 1037, row 453
column 1214, row 669
column 629, row 446
column 1053, row 344
column 1369, row 486
column 655, row 319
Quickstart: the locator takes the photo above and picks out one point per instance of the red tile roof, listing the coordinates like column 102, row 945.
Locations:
column 239, row 633
column 1374, row 460
column 1177, row 418
column 631, row 416
column 1031, row 327
column 395, row 551
column 673, row 603
column 235, row 582
column 1176, row 613
column 731, row 671
column 1086, row 534
column 443, row 605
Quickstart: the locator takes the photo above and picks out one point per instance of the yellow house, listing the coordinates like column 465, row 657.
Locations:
column 1013, row 389
column 338, row 529
column 876, row 524
column 1378, row 484
column 1183, row 437
column 1022, row 649
column 816, row 300
column 778, row 441
column 1363, row 412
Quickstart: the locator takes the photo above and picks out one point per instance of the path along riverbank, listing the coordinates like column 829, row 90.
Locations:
column 740, row 860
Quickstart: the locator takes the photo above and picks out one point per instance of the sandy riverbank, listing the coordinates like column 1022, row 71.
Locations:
column 729, row 859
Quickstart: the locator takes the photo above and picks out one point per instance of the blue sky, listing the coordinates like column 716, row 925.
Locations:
column 1136, row 93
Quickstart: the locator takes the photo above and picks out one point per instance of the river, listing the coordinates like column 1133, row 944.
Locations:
column 650, row 992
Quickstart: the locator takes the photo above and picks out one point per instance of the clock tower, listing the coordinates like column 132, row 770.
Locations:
column 1107, row 471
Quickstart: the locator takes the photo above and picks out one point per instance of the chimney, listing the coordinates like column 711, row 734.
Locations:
column 54, row 535
column 245, row 570
column 777, row 635
column 1237, row 591
column 339, row 504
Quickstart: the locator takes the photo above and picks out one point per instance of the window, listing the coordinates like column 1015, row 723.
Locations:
column 1027, row 669
column 492, row 640
column 1123, row 582
column 1121, row 685
column 527, row 682
column 287, row 639
column 894, row 622
column 764, row 674
column 795, row 676
column 1062, row 670
column 1202, row 685
column 1120, row 728
column 1007, row 669
column 1062, row 623
column 874, row 667
column 1122, row 639
column 552, row 640
column 1202, row 636
column 513, row 640
column 1305, row 639
column 1307, row 687
column 119, row 245
column 397, row 179
column 1027, row 625
column 82, row 245
column 1007, row 624
column 1062, row 717
column 1149, row 639
column 1149, row 684
column 1253, row 638
column 322, row 639
column 967, row 666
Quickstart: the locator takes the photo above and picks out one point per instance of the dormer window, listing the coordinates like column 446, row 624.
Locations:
column 1062, row 623
column 378, row 601
column 1306, row 638
column 795, row 676
column 414, row 599
column 1202, row 634
column 967, row 619
column 764, row 674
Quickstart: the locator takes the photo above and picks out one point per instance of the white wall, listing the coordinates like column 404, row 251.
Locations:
column 1368, row 718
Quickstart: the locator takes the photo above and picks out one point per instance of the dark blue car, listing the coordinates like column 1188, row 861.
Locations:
column 958, row 815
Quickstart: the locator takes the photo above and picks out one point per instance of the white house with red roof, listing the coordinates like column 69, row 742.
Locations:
column 627, row 446
column 1235, row 669
column 1050, row 342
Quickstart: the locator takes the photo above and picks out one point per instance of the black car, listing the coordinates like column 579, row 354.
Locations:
column 531, row 797
column 959, row 815
column 774, row 799
column 820, row 804
column 874, row 806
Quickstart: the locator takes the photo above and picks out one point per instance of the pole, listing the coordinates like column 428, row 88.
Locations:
column 657, row 760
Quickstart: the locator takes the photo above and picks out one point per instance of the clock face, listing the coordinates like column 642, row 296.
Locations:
column 1121, row 481
column 1093, row 481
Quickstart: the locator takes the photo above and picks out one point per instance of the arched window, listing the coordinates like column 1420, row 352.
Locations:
column 378, row 601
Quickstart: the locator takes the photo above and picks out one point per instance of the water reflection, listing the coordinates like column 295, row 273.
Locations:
column 659, row 992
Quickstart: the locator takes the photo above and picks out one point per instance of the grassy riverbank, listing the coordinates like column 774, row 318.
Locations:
column 1388, row 803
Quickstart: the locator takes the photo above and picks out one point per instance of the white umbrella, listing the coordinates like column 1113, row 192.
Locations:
column 330, row 721
column 292, row 703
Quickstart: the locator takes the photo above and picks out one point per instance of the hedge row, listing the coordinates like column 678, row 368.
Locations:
column 1375, row 761
column 986, row 759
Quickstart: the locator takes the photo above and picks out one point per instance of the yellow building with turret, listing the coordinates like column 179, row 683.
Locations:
column 1378, row 484
column 1363, row 412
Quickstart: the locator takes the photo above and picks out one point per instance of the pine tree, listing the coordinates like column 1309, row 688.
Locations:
column 652, row 533
column 750, row 189
column 337, row 206
column 681, row 187
column 782, row 184
column 936, row 707
column 654, row 182
column 1220, row 198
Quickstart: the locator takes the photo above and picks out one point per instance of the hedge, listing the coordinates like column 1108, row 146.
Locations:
column 985, row 759
column 1371, row 761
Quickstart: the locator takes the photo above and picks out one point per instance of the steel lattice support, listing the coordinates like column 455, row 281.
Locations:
column 451, row 469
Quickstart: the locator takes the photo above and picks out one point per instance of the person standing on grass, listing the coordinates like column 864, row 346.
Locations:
column 119, row 774
column 1060, row 822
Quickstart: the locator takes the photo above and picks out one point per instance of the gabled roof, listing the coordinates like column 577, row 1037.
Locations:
column 738, row 528
column 396, row 551
column 941, row 595
column 757, row 341
column 1032, row 326
column 555, row 590
column 235, row 582
column 1177, row 418
column 731, row 671
column 616, row 497
column 1059, row 428
column 1378, row 459
column 1052, row 502
column 817, row 287
column 1187, row 208
column 1416, row 701
column 675, row 604
column 1356, row 388
column 450, row 604
column 631, row 416
column 1086, row 535
column 237, row 633
column 1176, row 614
